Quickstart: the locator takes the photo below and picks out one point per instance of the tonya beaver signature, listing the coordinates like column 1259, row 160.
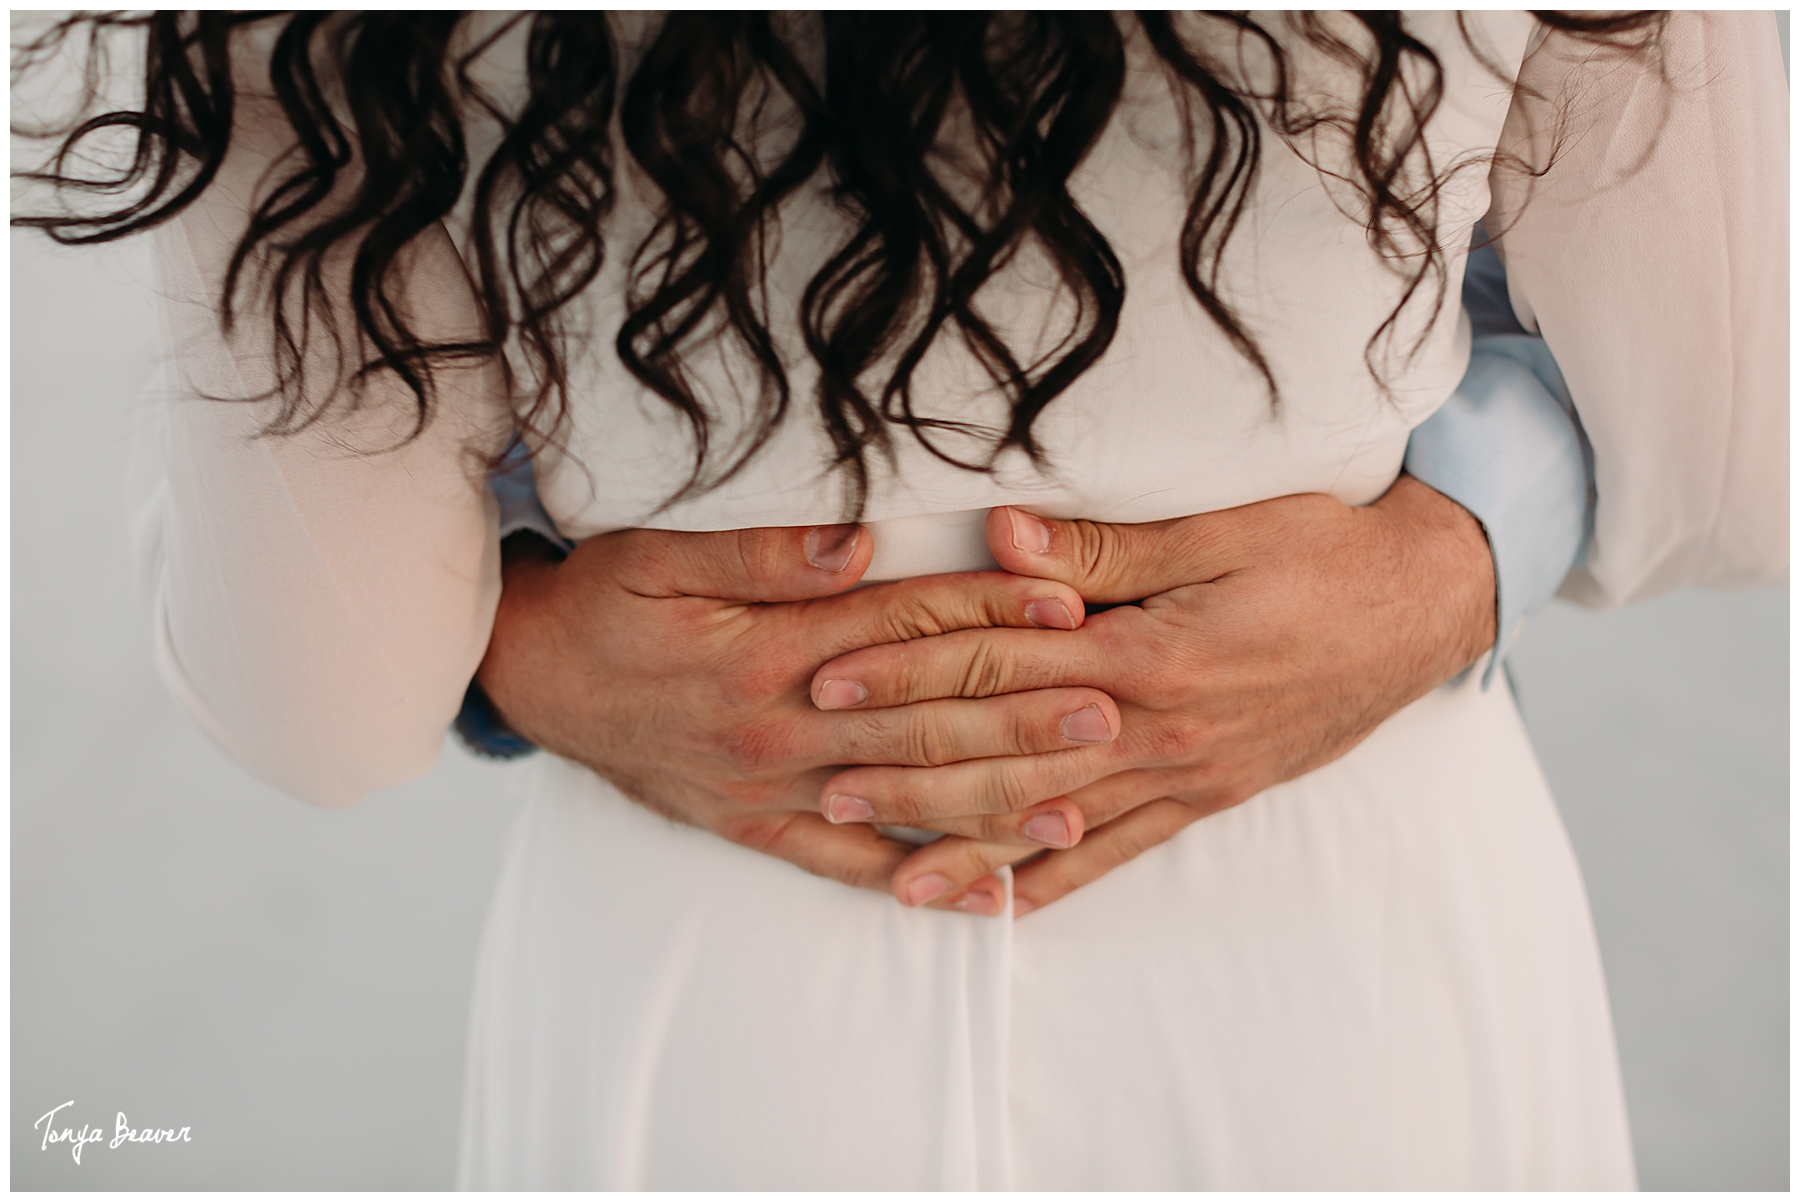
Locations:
column 79, row 1137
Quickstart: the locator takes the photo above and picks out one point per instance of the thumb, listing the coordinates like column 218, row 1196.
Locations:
column 1110, row 562
column 768, row 563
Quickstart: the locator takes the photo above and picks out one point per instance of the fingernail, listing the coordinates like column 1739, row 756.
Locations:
column 1051, row 829
column 841, row 694
column 1087, row 725
column 829, row 548
column 980, row 902
column 927, row 887
column 1022, row 906
column 1029, row 534
column 1050, row 613
column 841, row 807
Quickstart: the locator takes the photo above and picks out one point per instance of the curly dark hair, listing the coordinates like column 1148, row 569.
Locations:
column 378, row 102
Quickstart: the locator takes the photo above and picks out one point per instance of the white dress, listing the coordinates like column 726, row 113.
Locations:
column 1379, row 975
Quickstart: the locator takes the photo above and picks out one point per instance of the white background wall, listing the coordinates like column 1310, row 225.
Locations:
column 194, row 949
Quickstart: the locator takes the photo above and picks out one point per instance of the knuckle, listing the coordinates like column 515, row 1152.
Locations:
column 1174, row 739
column 983, row 858
column 913, row 740
column 1143, row 836
column 755, row 748
column 856, row 874
column 1161, row 689
column 1003, row 602
column 1007, row 790
column 952, row 856
column 756, row 797
column 765, row 680
column 908, row 797
column 1059, row 877
column 986, row 673
column 929, row 741
column 743, row 688
column 1001, row 828
column 910, row 615
column 758, row 832
column 1094, row 549
column 1025, row 731
column 757, row 554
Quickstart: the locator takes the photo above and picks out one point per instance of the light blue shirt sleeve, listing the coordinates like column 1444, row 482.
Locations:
column 1509, row 448
column 515, row 487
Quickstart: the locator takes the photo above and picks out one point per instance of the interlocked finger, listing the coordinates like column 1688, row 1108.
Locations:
column 770, row 563
column 923, row 607
column 1059, row 873
column 958, row 864
column 1111, row 561
column 933, row 733
column 1105, row 800
column 926, row 796
column 966, row 663
column 1062, row 822
column 854, row 855
column 945, row 874
column 1055, row 823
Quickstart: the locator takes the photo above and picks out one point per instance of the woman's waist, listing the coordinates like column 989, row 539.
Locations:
column 931, row 513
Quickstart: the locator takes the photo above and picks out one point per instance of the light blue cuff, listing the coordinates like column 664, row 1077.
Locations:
column 1508, row 447
column 478, row 724
column 515, row 487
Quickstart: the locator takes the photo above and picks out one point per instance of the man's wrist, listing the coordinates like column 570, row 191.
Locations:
column 485, row 724
column 1449, row 566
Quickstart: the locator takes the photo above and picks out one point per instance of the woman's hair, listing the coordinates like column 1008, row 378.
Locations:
column 726, row 115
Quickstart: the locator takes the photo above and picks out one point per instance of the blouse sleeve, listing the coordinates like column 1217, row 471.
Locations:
column 320, row 599
column 1652, row 257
